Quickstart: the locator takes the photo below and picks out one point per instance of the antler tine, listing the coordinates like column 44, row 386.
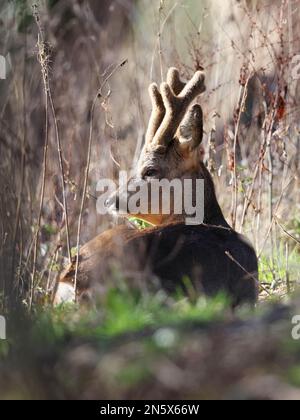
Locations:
column 176, row 107
column 194, row 88
column 158, row 112
column 174, row 81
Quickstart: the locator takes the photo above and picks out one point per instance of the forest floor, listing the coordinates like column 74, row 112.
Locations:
column 152, row 347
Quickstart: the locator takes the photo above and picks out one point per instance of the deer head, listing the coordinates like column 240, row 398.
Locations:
column 172, row 144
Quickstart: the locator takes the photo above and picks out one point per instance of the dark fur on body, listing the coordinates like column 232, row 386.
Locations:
column 214, row 257
column 171, row 254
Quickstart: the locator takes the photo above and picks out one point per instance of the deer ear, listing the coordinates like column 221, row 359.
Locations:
column 190, row 132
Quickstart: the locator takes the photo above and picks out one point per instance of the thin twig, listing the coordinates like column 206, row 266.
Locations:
column 274, row 214
column 159, row 37
column 57, row 135
column 286, row 232
column 241, row 109
column 43, row 58
column 158, row 40
column 23, row 163
column 245, row 271
column 287, row 269
column 87, row 168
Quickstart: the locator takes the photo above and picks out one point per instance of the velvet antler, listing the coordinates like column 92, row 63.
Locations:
column 158, row 108
column 176, row 105
column 158, row 112
column 169, row 107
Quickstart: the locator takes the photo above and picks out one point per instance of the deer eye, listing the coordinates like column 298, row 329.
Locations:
column 150, row 173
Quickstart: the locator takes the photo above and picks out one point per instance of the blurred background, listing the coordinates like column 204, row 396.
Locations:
column 59, row 53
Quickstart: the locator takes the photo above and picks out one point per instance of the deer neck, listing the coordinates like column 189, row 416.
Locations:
column 213, row 214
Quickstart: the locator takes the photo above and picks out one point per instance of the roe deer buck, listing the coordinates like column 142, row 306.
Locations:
column 214, row 257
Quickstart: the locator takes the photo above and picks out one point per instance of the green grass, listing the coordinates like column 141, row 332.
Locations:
column 129, row 343
column 122, row 312
column 279, row 274
column 140, row 224
column 36, row 341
